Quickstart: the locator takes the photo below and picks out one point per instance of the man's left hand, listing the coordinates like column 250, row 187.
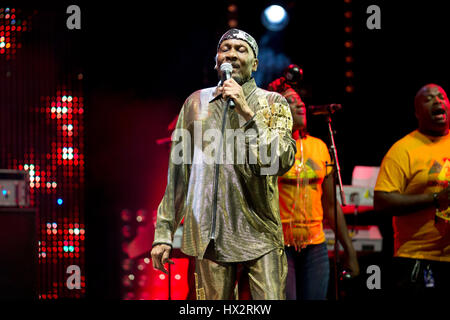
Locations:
column 351, row 263
column 232, row 90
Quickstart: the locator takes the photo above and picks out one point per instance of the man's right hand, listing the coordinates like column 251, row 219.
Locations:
column 160, row 256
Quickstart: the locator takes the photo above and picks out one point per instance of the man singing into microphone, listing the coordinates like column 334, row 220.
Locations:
column 230, row 208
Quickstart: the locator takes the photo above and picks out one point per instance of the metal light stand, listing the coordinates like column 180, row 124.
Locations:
column 336, row 175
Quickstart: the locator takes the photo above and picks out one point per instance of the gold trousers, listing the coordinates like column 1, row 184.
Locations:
column 267, row 277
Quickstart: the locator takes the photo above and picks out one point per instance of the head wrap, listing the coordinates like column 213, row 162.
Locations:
column 240, row 35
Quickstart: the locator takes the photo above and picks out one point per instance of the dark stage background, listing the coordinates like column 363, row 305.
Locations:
column 141, row 60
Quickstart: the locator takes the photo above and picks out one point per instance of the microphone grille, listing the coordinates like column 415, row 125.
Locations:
column 226, row 67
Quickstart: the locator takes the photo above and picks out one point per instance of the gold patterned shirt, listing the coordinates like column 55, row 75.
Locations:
column 225, row 185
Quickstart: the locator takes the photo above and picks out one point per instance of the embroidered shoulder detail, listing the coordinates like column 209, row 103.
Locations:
column 276, row 116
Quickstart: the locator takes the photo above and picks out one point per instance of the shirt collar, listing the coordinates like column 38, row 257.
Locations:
column 434, row 138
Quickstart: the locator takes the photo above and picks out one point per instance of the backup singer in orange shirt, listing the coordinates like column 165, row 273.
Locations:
column 306, row 197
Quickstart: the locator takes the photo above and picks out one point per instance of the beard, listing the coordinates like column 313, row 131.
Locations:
column 240, row 79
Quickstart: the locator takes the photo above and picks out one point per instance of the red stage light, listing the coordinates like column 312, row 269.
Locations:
column 157, row 286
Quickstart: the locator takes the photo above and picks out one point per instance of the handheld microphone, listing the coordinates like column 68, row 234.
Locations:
column 324, row 108
column 227, row 69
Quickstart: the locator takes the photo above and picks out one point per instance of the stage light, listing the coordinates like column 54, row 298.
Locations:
column 126, row 282
column 232, row 23
column 348, row 13
column 275, row 18
column 126, row 231
column 141, row 216
column 126, row 215
column 275, row 14
column 60, row 201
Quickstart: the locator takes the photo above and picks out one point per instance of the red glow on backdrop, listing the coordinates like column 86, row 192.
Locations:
column 139, row 280
column 154, row 284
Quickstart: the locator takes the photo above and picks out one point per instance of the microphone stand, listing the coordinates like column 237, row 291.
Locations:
column 170, row 284
column 354, row 199
column 336, row 176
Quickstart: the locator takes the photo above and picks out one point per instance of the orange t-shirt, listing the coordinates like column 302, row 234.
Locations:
column 300, row 192
column 418, row 164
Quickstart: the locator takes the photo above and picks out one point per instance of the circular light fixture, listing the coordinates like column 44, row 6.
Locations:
column 275, row 18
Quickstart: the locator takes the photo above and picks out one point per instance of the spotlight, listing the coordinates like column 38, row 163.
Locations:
column 126, row 231
column 274, row 18
column 141, row 216
column 126, row 215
